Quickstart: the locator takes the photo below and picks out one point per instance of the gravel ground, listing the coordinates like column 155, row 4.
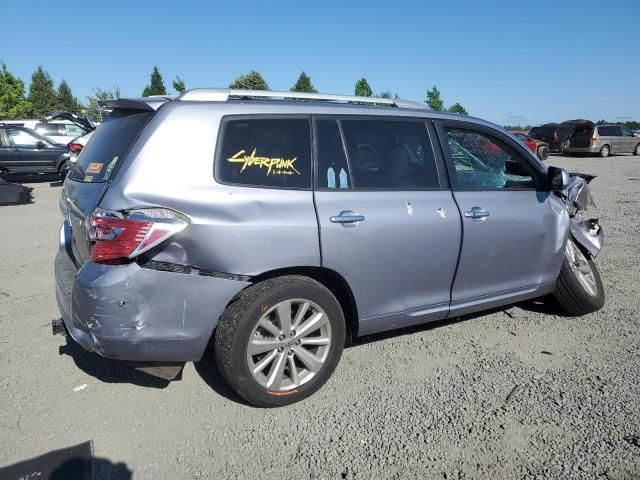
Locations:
column 525, row 393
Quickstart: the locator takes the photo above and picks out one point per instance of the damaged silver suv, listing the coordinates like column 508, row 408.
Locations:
column 288, row 222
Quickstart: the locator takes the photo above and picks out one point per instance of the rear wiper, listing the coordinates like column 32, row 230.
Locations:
column 75, row 167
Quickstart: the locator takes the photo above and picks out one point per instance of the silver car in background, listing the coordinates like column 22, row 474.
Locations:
column 290, row 222
column 602, row 140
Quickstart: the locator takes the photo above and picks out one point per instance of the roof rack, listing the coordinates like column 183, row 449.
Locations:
column 224, row 94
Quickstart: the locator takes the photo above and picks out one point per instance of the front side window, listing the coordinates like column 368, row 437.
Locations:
column 390, row 154
column 482, row 162
column 265, row 152
column 20, row 138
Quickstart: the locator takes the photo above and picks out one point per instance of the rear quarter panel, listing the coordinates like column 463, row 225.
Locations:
column 233, row 229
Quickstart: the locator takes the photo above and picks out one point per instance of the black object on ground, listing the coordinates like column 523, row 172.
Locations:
column 71, row 463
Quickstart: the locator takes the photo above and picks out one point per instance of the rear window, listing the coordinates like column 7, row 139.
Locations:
column 265, row 152
column 109, row 144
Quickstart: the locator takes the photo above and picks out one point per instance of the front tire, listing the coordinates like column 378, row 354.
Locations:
column 579, row 289
column 637, row 150
column 280, row 341
column 605, row 151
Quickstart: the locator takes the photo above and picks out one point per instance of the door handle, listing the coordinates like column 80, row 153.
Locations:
column 347, row 216
column 477, row 213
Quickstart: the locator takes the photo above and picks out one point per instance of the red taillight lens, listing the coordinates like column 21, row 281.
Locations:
column 556, row 138
column 593, row 140
column 116, row 238
column 75, row 147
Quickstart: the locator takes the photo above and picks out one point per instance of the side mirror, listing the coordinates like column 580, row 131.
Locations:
column 558, row 179
column 40, row 145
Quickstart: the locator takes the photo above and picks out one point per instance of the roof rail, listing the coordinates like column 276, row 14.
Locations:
column 224, row 94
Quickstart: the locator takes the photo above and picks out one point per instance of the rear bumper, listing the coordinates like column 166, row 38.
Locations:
column 127, row 312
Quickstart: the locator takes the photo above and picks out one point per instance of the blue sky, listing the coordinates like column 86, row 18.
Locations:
column 541, row 60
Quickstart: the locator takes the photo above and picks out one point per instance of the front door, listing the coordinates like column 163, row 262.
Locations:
column 629, row 142
column 386, row 225
column 513, row 229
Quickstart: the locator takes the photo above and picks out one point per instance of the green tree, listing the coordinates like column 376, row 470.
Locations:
column 179, row 85
column 433, row 99
column 304, row 84
column 387, row 94
column 42, row 95
column 457, row 108
column 156, row 85
column 362, row 88
column 13, row 104
column 66, row 100
column 251, row 81
column 94, row 111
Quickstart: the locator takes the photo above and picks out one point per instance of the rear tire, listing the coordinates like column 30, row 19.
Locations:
column 637, row 150
column 291, row 362
column 64, row 171
column 543, row 152
column 579, row 289
column 605, row 151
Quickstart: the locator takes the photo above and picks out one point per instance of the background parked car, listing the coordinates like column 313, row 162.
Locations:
column 60, row 127
column 23, row 150
column 540, row 148
column 554, row 134
column 76, row 145
column 604, row 140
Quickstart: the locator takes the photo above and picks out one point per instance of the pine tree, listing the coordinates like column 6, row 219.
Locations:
column 13, row 104
column 251, row 81
column 42, row 95
column 179, row 85
column 433, row 99
column 66, row 100
column 363, row 89
column 457, row 108
column 304, row 84
column 94, row 111
column 156, row 85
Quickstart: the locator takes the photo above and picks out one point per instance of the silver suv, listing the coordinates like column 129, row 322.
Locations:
column 275, row 225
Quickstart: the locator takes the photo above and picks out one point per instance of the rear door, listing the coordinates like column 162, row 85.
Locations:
column 512, row 237
column 388, row 223
column 96, row 166
column 9, row 155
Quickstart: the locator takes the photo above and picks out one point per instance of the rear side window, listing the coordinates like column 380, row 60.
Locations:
column 265, row 152
column 109, row 144
column 390, row 154
column 604, row 131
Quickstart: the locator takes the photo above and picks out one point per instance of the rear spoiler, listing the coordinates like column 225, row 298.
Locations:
column 142, row 103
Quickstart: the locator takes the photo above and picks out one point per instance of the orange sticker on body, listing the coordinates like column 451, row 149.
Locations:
column 94, row 168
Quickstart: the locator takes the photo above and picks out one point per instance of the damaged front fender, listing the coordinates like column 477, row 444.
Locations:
column 586, row 232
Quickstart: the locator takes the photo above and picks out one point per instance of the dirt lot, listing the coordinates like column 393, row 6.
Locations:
column 475, row 398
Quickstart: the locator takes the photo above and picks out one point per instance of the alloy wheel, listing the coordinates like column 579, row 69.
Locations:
column 581, row 268
column 289, row 345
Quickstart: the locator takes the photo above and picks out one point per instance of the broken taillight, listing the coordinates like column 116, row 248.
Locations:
column 117, row 237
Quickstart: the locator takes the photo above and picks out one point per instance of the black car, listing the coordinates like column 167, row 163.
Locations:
column 25, row 151
column 555, row 134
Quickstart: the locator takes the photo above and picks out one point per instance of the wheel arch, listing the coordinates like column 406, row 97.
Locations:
column 333, row 281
